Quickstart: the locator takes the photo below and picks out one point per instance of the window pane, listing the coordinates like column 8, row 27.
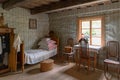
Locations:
column 96, row 41
column 96, row 24
column 96, row 32
column 85, row 24
column 86, row 32
column 91, row 28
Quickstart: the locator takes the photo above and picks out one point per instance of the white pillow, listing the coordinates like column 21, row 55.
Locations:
column 43, row 43
column 44, row 47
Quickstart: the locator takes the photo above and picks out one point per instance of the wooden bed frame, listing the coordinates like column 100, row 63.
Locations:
column 23, row 56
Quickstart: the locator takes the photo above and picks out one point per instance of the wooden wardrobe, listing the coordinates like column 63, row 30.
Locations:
column 12, row 58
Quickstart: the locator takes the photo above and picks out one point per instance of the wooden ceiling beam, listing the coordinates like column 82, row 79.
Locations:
column 11, row 3
column 1, row 1
column 114, row 1
column 58, row 5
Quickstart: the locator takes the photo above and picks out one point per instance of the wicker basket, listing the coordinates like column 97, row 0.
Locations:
column 46, row 65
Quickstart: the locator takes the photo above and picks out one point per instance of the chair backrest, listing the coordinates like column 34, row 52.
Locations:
column 113, row 50
column 84, row 48
column 70, row 42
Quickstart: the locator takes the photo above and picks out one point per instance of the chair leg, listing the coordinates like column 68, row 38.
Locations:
column 118, row 72
column 73, row 58
column 79, row 63
column 94, row 65
column 68, row 58
column 105, row 69
column 88, row 65
column 118, row 76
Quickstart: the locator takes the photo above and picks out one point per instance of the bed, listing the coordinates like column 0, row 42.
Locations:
column 34, row 56
column 37, row 55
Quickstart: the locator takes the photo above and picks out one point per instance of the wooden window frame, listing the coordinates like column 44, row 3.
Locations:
column 79, row 29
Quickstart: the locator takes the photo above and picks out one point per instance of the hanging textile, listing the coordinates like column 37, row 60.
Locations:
column 5, row 59
column 17, row 42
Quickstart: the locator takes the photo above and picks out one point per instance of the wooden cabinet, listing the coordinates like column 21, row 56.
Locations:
column 5, row 30
column 12, row 58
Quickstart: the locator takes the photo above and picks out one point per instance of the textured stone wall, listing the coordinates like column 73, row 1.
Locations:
column 18, row 18
column 64, row 23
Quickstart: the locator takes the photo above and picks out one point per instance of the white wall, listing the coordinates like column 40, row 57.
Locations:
column 18, row 18
column 65, row 24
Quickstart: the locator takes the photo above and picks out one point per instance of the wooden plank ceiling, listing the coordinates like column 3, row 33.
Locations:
column 38, row 6
column 1, row 1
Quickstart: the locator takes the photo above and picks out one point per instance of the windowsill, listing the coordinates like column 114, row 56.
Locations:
column 90, row 46
column 94, row 46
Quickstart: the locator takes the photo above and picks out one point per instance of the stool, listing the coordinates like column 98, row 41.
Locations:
column 68, row 56
column 68, row 49
column 68, row 53
column 46, row 65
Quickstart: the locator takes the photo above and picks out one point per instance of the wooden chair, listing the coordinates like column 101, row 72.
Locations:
column 68, row 49
column 112, row 58
column 84, row 54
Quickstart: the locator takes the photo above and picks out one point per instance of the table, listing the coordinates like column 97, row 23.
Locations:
column 93, row 49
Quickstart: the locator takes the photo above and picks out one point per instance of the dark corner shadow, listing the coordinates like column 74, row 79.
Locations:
column 60, row 62
column 10, row 73
column 82, row 74
column 34, row 71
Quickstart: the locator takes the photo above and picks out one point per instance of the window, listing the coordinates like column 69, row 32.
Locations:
column 92, row 29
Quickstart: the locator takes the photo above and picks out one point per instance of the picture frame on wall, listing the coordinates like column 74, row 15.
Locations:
column 32, row 23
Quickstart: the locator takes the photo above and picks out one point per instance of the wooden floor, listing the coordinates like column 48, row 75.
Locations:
column 61, row 71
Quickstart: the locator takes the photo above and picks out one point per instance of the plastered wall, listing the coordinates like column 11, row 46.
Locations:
column 64, row 23
column 18, row 18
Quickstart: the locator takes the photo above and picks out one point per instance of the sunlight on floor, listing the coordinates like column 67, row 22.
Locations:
column 59, row 72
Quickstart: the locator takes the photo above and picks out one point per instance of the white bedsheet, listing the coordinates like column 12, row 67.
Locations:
column 37, row 55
